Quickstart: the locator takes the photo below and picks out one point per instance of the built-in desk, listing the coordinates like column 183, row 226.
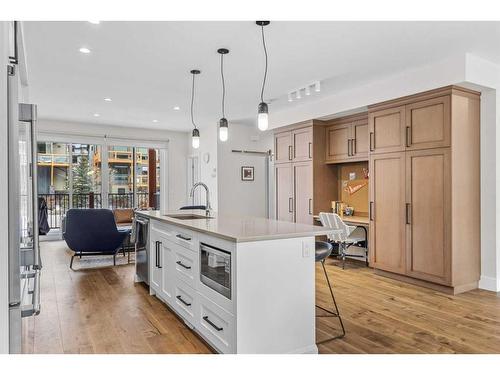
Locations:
column 361, row 221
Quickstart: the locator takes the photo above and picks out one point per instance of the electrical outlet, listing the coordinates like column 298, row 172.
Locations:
column 306, row 250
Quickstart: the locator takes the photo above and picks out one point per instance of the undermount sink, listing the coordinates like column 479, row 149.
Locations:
column 188, row 216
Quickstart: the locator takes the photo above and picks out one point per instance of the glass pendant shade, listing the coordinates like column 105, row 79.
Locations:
column 196, row 138
column 223, row 130
column 263, row 118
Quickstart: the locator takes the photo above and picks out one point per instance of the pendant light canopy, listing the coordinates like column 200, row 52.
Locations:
column 223, row 125
column 263, row 117
column 196, row 132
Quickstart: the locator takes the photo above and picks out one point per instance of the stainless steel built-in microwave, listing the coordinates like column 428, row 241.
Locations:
column 215, row 269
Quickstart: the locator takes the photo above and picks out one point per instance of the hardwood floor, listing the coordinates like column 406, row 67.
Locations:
column 101, row 310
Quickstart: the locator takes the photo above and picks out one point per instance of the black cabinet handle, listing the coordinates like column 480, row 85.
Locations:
column 290, row 152
column 290, row 204
column 185, row 238
column 156, row 253
column 353, row 146
column 159, row 255
column 408, row 136
column 183, row 265
column 371, row 211
column 205, row 318
column 310, row 201
column 184, row 302
column 408, row 213
column 372, row 141
column 310, row 144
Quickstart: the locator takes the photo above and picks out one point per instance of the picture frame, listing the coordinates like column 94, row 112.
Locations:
column 247, row 173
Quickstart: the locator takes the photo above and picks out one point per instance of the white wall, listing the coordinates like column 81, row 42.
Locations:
column 208, row 171
column 4, row 281
column 177, row 149
column 236, row 197
column 466, row 70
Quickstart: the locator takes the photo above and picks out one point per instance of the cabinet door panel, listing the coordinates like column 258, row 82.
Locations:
column 428, row 123
column 387, row 219
column 284, row 192
column 337, row 138
column 283, row 147
column 387, row 130
column 302, row 144
column 361, row 143
column 303, row 186
column 429, row 232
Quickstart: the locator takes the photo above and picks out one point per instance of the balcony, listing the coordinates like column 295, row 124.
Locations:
column 59, row 203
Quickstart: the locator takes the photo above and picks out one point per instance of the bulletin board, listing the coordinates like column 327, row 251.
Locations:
column 354, row 191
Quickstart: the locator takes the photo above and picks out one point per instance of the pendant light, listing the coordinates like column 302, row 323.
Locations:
column 223, row 129
column 263, row 118
column 196, row 132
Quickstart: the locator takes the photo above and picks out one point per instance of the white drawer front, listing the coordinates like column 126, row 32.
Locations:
column 185, row 301
column 217, row 325
column 186, row 265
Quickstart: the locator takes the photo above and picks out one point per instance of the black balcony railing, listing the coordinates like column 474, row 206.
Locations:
column 59, row 203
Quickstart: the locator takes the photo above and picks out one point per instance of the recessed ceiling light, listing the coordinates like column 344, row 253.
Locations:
column 84, row 50
column 95, row 22
column 96, row 114
column 108, row 100
column 176, row 108
column 155, row 120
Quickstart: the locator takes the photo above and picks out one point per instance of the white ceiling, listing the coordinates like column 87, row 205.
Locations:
column 144, row 66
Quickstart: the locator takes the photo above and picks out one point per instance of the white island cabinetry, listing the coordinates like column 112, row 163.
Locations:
column 245, row 287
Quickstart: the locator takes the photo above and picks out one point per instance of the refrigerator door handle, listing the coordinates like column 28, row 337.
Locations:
column 28, row 113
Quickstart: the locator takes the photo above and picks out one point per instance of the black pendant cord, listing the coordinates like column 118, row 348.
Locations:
column 192, row 102
column 223, row 84
column 265, row 71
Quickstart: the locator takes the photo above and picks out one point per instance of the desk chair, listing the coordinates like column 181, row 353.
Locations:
column 342, row 234
column 322, row 251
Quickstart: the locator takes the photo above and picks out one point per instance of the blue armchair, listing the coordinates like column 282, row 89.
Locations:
column 92, row 232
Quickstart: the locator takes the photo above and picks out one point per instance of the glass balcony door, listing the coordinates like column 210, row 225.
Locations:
column 80, row 175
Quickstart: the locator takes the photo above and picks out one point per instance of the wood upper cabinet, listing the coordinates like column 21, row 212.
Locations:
column 337, row 141
column 284, row 191
column 387, row 130
column 428, row 123
column 303, row 192
column 428, row 193
column 360, row 144
column 283, row 147
column 347, row 141
column 302, row 142
column 387, row 212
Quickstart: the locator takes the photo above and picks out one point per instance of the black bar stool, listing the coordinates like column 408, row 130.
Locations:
column 323, row 251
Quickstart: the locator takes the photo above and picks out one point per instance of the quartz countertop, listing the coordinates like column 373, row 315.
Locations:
column 238, row 228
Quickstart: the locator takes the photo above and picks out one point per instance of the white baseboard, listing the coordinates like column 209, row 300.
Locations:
column 489, row 283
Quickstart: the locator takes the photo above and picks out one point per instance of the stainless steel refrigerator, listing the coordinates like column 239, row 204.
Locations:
column 24, row 252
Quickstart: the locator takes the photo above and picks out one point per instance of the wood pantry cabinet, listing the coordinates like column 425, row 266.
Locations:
column 425, row 196
column 347, row 139
column 304, row 184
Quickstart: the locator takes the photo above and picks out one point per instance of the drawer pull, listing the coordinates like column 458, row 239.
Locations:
column 184, row 302
column 183, row 265
column 205, row 318
column 185, row 238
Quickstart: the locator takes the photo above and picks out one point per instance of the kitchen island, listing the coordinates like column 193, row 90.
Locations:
column 245, row 284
